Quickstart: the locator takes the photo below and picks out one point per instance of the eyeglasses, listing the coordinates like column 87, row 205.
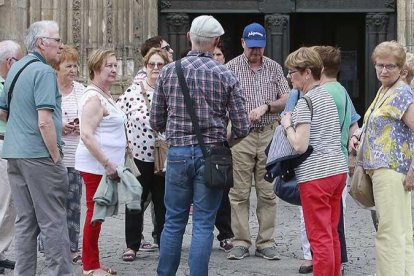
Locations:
column 152, row 65
column 13, row 58
column 58, row 40
column 289, row 73
column 166, row 48
column 389, row 67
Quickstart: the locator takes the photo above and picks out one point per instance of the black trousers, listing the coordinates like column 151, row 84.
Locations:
column 223, row 218
column 155, row 184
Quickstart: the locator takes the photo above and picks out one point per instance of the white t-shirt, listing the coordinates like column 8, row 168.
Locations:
column 327, row 158
column 110, row 135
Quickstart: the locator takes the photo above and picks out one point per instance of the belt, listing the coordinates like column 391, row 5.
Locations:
column 1, row 136
column 271, row 126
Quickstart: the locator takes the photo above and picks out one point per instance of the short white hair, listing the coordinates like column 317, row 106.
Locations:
column 8, row 49
column 37, row 30
column 202, row 41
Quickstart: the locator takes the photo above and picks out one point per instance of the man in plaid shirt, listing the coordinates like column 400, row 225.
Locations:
column 215, row 92
column 265, row 89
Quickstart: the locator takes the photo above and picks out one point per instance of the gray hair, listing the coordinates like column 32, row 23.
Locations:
column 8, row 49
column 37, row 30
column 201, row 41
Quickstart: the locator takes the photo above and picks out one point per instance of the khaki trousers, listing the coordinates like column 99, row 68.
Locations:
column 7, row 211
column 249, row 161
column 394, row 238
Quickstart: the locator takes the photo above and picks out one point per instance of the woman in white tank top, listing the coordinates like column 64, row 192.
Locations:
column 101, row 149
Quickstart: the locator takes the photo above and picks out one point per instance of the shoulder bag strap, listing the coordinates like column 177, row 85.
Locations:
column 190, row 106
column 310, row 105
column 144, row 93
column 10, row 94
column 346, row 107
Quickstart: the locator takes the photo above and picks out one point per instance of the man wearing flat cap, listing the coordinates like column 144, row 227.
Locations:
column 265, row 89
column 215, row 91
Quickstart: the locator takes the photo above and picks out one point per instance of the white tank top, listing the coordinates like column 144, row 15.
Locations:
column 110, row 136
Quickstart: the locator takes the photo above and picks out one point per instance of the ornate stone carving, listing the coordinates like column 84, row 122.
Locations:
column 389, row 4
column 76, row 20
column 178, row 22
column 377, row 22
column 109, row 22
column 277, row 22
column 165, row 5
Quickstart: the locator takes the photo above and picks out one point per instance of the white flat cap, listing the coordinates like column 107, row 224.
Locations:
column 206, row 26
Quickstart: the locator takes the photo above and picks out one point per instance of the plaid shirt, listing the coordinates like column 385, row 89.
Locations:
column 263, row 86
column 215, row 92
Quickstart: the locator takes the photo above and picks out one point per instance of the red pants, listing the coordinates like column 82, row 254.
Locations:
column 90, row 250
column 321, row 203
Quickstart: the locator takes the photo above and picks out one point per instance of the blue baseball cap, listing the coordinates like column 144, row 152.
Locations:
column 254, row 35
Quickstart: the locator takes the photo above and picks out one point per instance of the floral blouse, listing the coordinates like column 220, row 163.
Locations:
column 141, row 137
column 389, row 142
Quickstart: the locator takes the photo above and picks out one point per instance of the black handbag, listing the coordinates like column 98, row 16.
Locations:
column 218, row 161
column 288, row 190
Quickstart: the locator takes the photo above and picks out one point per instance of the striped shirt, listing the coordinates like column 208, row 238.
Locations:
column 215, row 92
column 327, row 158
column 70, row 111
column 260, row 87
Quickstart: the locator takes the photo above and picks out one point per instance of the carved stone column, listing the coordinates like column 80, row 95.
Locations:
column 277, row 30
column 375, row 33
column 178, row 26
column 405, row 24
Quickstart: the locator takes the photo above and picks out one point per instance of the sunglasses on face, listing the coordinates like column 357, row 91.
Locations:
column 166, row 48
column 152, row 65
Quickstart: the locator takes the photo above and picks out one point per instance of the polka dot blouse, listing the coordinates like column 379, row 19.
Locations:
column 140, row 135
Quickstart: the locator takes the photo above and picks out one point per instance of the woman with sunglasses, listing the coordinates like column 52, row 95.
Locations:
column 136, row 103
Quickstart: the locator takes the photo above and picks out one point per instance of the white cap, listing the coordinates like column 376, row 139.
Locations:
column 206, row 26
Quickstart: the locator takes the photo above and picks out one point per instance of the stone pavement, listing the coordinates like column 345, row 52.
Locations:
column 360, row 242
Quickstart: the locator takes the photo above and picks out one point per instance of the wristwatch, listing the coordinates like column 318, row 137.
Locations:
column 269, row 107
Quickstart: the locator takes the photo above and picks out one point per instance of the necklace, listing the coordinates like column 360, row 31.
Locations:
column 102, row 91
column 149, row 84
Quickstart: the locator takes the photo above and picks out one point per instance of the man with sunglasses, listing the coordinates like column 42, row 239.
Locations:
column 153, row 42
column 32, row 147
column 10, row 52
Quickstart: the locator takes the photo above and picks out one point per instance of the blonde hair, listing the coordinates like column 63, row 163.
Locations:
column 409, row 66
column 305, row 58
column 68, row 53
column 389, row 48
column 96, row 59
column 156, row 51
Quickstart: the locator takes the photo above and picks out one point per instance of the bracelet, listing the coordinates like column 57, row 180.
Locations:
column 289, row 126
column 356, row 136
column 105, row 163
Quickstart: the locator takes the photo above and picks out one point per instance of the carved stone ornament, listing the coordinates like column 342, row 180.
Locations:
column 178, row 22
column 76, row 5
column 377, row 21
column 389, row 4
column 277, row 22
column 109, row 21
column 165, row 5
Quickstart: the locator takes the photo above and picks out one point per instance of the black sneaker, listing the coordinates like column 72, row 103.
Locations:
column 7, row 264
column 226, row 245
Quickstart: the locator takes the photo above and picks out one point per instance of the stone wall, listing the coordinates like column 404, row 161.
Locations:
column 405, row 23
column 89, row 24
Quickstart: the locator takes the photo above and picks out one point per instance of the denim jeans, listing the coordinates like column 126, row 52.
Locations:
column 185, row 185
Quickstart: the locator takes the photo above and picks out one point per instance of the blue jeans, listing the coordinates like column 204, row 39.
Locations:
column 185, row 185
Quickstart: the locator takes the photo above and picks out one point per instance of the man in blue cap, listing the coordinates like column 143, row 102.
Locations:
column 265, row 89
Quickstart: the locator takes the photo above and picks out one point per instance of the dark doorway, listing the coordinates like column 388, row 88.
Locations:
column 233, row 25
column 346, row 31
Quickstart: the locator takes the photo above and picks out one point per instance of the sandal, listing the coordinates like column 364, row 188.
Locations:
column 92, row 272
column 111, row 271
column 77, row 259
column 129, row 255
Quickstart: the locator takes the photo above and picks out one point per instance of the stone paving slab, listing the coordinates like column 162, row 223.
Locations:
column 360, row 241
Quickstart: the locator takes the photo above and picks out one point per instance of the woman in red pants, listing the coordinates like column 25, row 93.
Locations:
column 101, row 149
